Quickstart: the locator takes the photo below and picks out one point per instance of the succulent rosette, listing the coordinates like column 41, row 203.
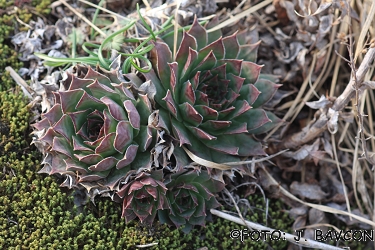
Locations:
column 210, row 95
column 190, row 195
column 97, row 129
column 143, row 197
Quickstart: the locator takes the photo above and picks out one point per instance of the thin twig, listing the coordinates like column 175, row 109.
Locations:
column 25, row 88
column 320, row 125
column 83, row 18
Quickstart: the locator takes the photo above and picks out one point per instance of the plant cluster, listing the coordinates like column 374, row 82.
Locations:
column 130, row 136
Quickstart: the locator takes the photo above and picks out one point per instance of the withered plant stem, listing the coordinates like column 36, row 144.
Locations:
column 318, row 126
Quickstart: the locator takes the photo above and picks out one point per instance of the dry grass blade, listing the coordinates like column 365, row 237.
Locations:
column 102, row 9
column 340, row 173
column 289, row 237
column 226, row 165
column 364, row 30
column 25, row 88
column 237, row 17
column 83, row 17
column 320, row 125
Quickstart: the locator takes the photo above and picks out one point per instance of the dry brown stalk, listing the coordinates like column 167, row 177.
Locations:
column 319, row 125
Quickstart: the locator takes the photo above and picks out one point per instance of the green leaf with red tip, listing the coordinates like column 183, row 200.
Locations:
column 171, row 105
column 187, row 93
column 65, row 127
column 235, row 128
column 114, row 109
column 233, row 66
column 106, row 146
column 207, row 63
column 187, row 43
column 217, row 48
column 195, row 80
column 74, row 166
column 144, row 138
column 69, row 99
column 163, row 56
column 196, row 30
column 79, row 118
column 79, row 83
column 232, row 47
column 219, row 72
column 123, row 92
column 93, row 74
column 54, row 114
column 237, row 144
column 94, row 176
column 254, row 118
column 161, row 91
column 124, row 136
column 180, row 132
column 49, row 136
column 89, row 102
column 213, row 35
column 213, row 126
column 104, row 164
column 188, row 65
column 268, row 126
column 189, row 114
column 250, row 93
column 250, row 71
column 144, row 108
column 133, row 115
column 42, row 124
column 61, row 145
column 79, row 145
column 201, row 134
column 240, row 107
column 110, row 123
column 207, row 112
column 235, row 82
column 201, row 98
column 249, row 52
column 129, row 156
column 267, row 89
column 99, row 90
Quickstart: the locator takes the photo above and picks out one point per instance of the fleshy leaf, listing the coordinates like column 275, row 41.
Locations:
column 54, row 114
column 200, row 34
column 188, row 43
column 250, row 71
column 267, row 90
column 69, row 99
column 133, row 115
column 116, row 110
column 106, row 146
column 249, row 117
column 104, row 164
column 129, row 156
column 268, row 126
column 163, row 56
column 191, row 115
column 231, row 46
column 124, row 136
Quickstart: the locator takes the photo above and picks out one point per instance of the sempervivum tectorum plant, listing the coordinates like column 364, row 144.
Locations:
column 210, row 96
column 190, row 195
column 143, row 197
column 97, row 130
